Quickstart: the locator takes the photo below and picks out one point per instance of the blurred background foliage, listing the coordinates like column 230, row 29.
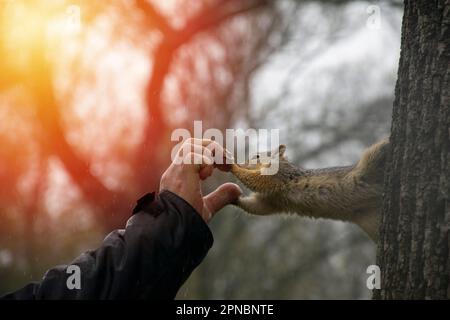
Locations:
column 91, row 90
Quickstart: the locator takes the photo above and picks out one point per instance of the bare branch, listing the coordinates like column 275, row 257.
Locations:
column 163, row 57
column 154, row 18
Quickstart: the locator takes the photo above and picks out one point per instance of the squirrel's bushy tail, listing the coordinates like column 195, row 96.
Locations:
column 372, row 163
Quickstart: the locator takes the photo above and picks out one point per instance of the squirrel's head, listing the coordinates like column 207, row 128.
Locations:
column 267, row 172
column 266, row 159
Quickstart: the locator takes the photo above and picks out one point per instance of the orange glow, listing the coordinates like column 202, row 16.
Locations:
column 31, row 27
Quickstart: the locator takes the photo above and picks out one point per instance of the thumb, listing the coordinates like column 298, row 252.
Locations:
column 219, row 198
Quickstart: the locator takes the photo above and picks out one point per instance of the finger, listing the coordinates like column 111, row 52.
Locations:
column 223, row 195
column 194, row 148
column 198, row 160
column 226, row 164
column 199, row 164
column 216, row 149
column 221, row 156
column 206, row 172
column 200, row 142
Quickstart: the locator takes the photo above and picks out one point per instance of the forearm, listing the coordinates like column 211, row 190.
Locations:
column 159, row 248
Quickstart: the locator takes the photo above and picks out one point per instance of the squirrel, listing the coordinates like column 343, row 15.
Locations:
column 350, row 193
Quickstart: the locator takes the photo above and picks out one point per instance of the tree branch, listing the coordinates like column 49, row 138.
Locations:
column 163, row 57
column 154, row 18
column 208, row 18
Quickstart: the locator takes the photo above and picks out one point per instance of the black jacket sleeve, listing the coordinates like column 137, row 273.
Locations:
column 163, row 242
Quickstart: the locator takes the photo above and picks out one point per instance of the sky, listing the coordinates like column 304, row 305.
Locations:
column 307, row 73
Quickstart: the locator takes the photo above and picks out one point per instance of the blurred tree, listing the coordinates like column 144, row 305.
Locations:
column 64, row 140
column 290, row 257
column 31, row 72
column 413, row 252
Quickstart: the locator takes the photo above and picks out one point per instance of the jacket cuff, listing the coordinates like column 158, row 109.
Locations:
column 200, row 231
column 153, row 203
column 144, row 203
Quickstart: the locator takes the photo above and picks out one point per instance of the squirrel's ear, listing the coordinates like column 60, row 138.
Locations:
column 281, row 149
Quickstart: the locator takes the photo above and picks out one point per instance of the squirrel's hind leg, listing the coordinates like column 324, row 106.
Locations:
column 256, row 204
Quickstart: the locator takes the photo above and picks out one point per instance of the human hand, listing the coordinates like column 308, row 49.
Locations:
column 184, row 176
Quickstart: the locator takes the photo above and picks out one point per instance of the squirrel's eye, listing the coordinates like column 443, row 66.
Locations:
column 257, row 156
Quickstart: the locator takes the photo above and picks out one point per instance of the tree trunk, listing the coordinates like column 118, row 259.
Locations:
column 413, row 250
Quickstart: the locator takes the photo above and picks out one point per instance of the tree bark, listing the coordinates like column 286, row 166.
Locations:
column 413, row 250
